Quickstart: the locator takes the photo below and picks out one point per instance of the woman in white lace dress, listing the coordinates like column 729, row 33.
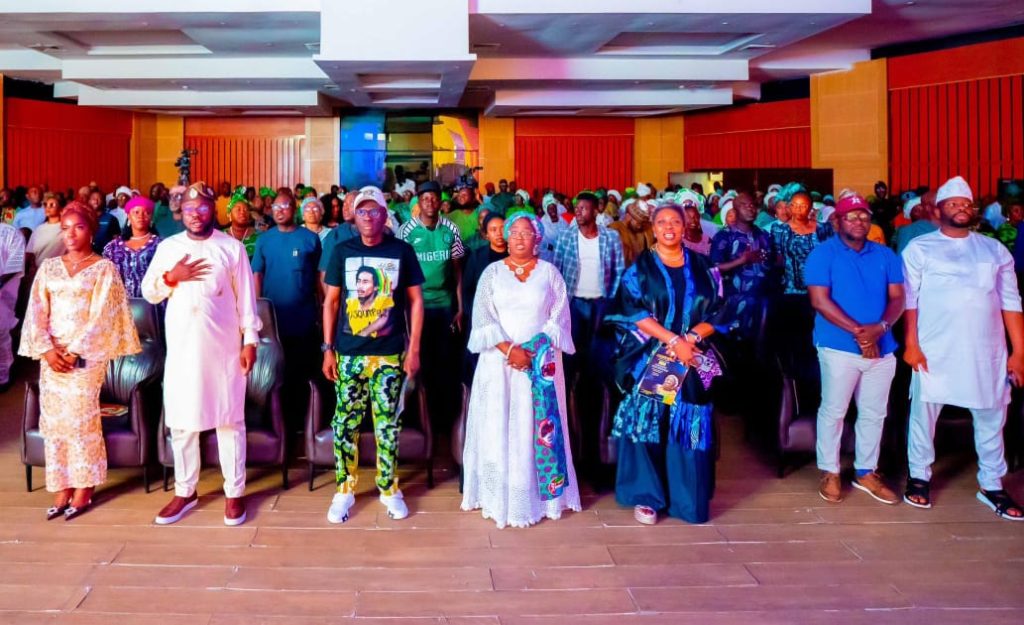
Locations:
column 516, row 461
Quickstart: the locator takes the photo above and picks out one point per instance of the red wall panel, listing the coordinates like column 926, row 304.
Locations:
column 253, row 152
column 755, row 136
column 574, row 154
column 66, row 146
column 983, row 60
column 970, row 128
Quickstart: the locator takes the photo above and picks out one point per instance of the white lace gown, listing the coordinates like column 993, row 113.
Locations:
column 500, row 477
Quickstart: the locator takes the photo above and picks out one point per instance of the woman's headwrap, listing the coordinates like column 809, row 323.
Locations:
column 406, row 187
column 538, row 228
column 724, row 207
column 267, row 192
column 643, row 191
column 523, row 193
column 615, row 194
column 906, row 196
column 237, row 196
column 312, row 202
column 789, row 191
column 139, row 200
column 688, row 196
column 639, row 210
column 84, row 212
column 774, row 189
column 770, row 198
column 825, row 213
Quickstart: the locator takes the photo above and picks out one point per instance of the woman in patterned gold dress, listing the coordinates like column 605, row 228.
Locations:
column 77, row 320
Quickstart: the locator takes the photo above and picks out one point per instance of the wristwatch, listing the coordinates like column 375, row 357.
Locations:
column 326, row 347
column 885, row 326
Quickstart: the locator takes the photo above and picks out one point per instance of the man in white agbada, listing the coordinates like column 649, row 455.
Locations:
column 212, row 329
column 12, row 267
column 962, row 300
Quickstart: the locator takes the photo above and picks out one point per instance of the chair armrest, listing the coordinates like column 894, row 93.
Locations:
column 30, row 415
column 787, row 409
column 277, row 418
column 421, row 405
column 313, row 420
column 141, row 402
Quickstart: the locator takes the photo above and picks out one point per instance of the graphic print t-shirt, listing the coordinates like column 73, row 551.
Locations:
column 373, row 282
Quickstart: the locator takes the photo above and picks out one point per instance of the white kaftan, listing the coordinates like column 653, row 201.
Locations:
column 498, row 457
column 207, row 322
column 960, row 286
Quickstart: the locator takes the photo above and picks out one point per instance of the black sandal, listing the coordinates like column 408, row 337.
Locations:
column 920, row 489
column 1001, row 503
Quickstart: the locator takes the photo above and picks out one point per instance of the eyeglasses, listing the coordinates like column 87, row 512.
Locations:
column 957, row 205
column 858, row 216
column 368, row 212
column 280, row 207
column 202, row 209
column 522, row 234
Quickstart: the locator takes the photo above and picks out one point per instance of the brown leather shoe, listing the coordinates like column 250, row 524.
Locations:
column 831, row 488
column 234, row 510
column 872, row 484
column 174, row 511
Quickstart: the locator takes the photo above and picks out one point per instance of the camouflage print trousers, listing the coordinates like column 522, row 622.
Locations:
column 374, row 382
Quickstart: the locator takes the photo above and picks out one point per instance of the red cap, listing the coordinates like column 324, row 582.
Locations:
column 851, row 203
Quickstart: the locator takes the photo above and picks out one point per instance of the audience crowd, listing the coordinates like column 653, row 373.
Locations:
column 541, row 304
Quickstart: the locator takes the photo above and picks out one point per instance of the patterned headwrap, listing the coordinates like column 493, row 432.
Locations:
column 519, row 215
column 789, row 191
column 267, row 192
column 84, row 212
column 688, row 196
column 237, row 196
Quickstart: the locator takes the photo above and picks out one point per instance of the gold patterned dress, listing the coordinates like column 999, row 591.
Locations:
column 86, row 314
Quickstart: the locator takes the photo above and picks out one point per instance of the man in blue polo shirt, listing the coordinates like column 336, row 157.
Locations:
column 856, row 287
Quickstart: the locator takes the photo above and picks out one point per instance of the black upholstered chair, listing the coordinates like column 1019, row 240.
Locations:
column 265, row 441
column 131, row 381
column 415, row 440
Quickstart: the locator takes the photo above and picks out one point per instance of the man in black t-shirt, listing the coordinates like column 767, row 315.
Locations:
column 372, row 281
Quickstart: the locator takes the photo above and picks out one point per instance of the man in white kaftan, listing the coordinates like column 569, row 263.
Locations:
column 962, row 300
column 212, row 329
column 12, row 267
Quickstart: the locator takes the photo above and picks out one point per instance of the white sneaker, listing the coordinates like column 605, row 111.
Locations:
column 395, row 504
column 340, row 505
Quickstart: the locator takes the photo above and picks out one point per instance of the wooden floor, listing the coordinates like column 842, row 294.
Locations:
column 774, row 553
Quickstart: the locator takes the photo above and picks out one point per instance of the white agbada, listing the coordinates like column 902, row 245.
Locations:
column 498, row 457
column 960, row 286
column 206, row 323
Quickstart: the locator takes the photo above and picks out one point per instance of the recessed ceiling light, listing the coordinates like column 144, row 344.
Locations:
column 911, row 3
column 727, row 23
column 184, row 86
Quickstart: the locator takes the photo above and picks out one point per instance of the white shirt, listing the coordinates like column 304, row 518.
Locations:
column 589, row 284
column 30, row 217
column 45, row 242
column 206, row 322
column 120, row 215
column 960, row 286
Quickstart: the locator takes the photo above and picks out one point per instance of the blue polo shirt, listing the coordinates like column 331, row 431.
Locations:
column 288, row 262
column 859, row 284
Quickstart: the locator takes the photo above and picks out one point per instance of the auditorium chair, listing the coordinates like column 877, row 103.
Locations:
column 131, row 382
column 800, row 396
column 415, row 439
column 265, row 440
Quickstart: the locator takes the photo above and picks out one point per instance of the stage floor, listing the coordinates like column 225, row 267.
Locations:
column 774, row 553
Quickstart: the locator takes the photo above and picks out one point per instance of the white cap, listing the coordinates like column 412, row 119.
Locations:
column 616, row 195
column 407, row 186
column 370, row 194
column 123, row 191
column 910, row 205
column 954, row 187
column 643, row 191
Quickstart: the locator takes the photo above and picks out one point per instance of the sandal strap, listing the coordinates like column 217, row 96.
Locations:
column 918, row 487
column 1001, row 500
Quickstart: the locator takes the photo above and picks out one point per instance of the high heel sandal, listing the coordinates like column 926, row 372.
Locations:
column 73, row 512
column 55, row 511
